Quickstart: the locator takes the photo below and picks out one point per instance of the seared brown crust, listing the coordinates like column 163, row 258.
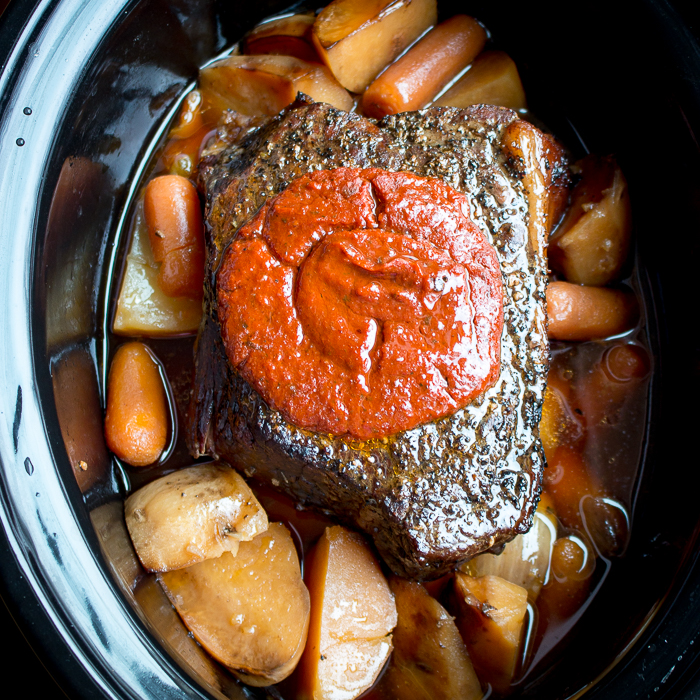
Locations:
column 442, row 492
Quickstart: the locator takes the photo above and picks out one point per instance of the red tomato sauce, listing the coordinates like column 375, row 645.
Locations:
column 363, row 302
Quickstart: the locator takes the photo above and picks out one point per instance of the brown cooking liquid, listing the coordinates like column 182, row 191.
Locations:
column 593, row 457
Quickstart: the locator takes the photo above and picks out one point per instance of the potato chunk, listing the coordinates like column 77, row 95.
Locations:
column 265, row 85
column 490, row 613
column 492, row 80
column 194, row 514
column 352, row 615
column 143, row 309
column 591, row 244
column 358, row 38
column 430, row 659
column 251, row 611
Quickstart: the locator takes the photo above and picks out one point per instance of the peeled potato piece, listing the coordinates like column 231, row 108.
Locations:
column 352, row 615
column 193, row 514
column 492, row 80
column 358, row 38
column 430, row 659
column 265, row 85
column 143, row 309
column 251, row 611
column 490, row 613
column 285, row 36
column 591, row 244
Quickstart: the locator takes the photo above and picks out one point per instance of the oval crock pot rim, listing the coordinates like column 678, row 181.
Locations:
column 36, row 595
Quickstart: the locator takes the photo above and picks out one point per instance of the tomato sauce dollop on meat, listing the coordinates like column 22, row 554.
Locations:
column 363, row 302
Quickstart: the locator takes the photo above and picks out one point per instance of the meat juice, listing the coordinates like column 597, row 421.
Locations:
column 603, row 433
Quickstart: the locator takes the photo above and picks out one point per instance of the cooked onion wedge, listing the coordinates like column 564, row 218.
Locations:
column 353, row 613
column 251, row 611
column 265, row 85
column 492, row 80
column 429, row 659
column 525, row 560
column 358, row 38
column 191, row 515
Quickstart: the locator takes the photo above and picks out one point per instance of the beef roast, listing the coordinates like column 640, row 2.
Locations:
column 437, row 494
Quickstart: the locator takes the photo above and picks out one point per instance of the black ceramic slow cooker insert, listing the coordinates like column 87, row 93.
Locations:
column 85, row 88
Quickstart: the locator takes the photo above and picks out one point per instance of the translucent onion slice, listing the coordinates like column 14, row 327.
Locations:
column 525, row 560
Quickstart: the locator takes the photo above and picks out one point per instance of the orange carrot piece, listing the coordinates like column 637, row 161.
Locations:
column 573, row 563
column 425, row 69
column 588, row 313
column 287, row 36
column 567, row 480
column 626, row 362
column 136, row 423
column 176, row 233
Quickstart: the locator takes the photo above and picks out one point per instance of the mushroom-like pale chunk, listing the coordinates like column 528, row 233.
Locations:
column 358, row 38
column 352, row 615
column 430, row 659
column 191, row 515
column 249, row 611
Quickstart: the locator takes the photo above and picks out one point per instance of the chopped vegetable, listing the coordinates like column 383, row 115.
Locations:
column 194, row 514
column 358, row 38
column 352, row 616
column 251, row 611
column 559, row 424
column 189, row 120
column 430, row 660
column 573, row 563
column 567, row 480
column 588, row 313
column 264, row 85
column 143, row 309
column 490, row 613
column 414, row 80
column 176, row 232
column 524, row 561
column 591, row 244
column 492, row 80
column 136, row 422
column 285, row 36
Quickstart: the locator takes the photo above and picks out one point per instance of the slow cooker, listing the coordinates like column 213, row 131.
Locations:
column 86, row 85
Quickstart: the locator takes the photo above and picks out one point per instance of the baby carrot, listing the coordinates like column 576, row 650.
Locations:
column 136, row 423
column 425, row 69
column 588, row 313
column 176, row 233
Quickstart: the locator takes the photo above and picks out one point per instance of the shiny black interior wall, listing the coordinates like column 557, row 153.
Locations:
column 622, row 91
